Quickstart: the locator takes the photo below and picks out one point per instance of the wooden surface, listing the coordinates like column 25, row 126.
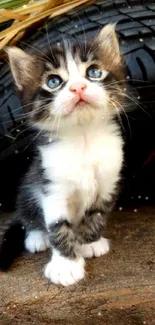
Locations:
column 119, row 288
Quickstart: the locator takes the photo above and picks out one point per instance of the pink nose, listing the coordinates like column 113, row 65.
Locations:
column 78, row 87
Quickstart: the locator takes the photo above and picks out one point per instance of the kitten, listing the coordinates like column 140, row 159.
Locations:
column 72, row 95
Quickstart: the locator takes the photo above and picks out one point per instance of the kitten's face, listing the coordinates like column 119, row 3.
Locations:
column 75, row 85
column 71, row 84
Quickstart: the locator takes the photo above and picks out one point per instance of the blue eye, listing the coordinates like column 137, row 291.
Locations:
column 54, row 82
column 94, row 73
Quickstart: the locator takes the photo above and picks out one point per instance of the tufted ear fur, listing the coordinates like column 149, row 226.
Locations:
column 25, row 68
column 108, row 41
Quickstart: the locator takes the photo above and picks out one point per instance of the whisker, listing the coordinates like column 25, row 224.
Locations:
column 36, row 49
column 54, row 123
column 31, row 126
column 126, row 81
column 35, row 137
column 119, row 118
column 118, row 113
column 137, row 103
column 24, row 116
column 122, row 108
column 132, row 99
column 21, row 107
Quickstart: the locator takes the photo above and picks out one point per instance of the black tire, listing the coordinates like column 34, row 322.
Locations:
column 136, row 30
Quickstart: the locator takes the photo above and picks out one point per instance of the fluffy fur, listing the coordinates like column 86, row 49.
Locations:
column 64, row 198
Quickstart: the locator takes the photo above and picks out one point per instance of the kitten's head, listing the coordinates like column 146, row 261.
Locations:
column 71, row 84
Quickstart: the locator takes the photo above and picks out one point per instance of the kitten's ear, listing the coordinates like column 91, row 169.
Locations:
column 23, row 66
column 108, row 41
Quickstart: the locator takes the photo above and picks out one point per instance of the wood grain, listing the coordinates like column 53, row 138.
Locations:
column 118, row 289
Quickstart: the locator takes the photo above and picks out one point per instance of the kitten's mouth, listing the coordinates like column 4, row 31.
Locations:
column 79, row 105
column 82, row 101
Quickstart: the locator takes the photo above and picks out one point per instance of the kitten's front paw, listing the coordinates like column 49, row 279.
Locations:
column 37, row 241
column 62, row 270
column 96, row 248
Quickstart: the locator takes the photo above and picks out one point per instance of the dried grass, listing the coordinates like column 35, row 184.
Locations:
column 24, row 14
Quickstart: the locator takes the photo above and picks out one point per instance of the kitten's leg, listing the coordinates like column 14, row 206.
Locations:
column 93, row 244
column 29, row 213
column 36, row 241
column 67, row 265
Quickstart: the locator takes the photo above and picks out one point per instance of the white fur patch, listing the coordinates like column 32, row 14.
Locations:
column 54, row 205
column 72, row 67
column 61, row 270
column 84, row 164
column 97, row 248
column 36, row 241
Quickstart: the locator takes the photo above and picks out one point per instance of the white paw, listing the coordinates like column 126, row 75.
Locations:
column 36, row 241
column 96, row 248
column 62, row 270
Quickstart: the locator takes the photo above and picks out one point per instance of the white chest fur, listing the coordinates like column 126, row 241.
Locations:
column 85, row 165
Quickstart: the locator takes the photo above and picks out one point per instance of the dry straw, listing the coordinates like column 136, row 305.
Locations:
column 24, row 14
